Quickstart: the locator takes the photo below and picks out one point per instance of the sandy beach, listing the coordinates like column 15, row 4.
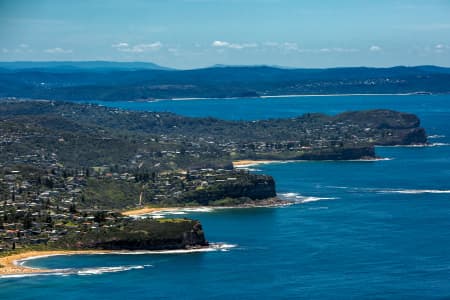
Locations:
column 248, row 163
column 270, row 202
column 149, row 210
column 10, row 266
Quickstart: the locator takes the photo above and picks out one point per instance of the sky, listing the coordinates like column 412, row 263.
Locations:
column 189, row 34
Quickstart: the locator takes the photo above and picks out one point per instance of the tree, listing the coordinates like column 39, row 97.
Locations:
column 100, row 216
column 72, row 208
column 27, row 221
column 49, row 221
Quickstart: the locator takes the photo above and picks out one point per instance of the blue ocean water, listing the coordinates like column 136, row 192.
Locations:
column 363, row 230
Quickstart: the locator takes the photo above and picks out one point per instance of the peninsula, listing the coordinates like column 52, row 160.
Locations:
column 68, row 171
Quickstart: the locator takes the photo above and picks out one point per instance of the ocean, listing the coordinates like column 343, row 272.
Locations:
column 358, row 230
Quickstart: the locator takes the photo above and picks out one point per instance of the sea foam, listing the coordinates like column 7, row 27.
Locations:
column 419, row 145
column 80, row 272
column 436, row 136
column 392, row 190
column 297, row 198
column 101, row 270
column 413, row 191
column 222, row 247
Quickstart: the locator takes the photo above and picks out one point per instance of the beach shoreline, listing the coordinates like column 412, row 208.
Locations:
column 288, row 96
column 10, row 264
column 249, row 163
column 265, row 203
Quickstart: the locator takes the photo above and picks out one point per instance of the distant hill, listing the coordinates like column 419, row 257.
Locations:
column 126, row 81
column 67, row 66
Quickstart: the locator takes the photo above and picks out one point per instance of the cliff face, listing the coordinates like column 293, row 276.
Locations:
column 332, row 153
column 250, row 186
column 340, row 154
column 403, row 137
column 146, row 234
column 387, row 127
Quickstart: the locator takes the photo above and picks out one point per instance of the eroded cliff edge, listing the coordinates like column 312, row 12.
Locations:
column 144, row 234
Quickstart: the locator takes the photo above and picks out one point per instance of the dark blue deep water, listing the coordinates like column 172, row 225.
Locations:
column 377, row 230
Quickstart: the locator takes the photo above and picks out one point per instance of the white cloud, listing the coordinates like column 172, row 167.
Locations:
column 120, row 45
column 271, row 44
column 220, row 44
column 58, row 50
column 440, row 48
column 294, row 47
column 336, row 50
column 139, row 48
column 289, row 46
column 223, row 44
column 174, row 51
column 285, row 47
column 24, row 46
column 375, row 48
column 4, row 50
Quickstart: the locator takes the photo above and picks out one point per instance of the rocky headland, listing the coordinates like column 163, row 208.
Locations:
column 67, row 170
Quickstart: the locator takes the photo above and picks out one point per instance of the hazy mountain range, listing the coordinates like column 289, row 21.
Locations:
column 114, row 81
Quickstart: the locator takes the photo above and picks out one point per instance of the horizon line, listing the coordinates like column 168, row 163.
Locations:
column 168, row 68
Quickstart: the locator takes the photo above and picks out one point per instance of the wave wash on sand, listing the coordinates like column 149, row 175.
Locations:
column 14, row 265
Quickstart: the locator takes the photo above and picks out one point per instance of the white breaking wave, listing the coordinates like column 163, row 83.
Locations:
column 436, row 136
column 303, row 199
column 212, row 247
column 199, row 209
column 373, row 159
column 289, row 195
column 223, row 247
column 420, row 145
column 156, row 216
column 80, row 272
column 338, row 187
column 159, row 214
column 101, row 270
column 181, row 211
column 414, row 191
column 393, row 190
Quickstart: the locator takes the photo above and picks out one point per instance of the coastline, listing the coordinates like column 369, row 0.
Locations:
column 10, row 264
column 150, row 210
column 289, row 96
column 265, row 203
column 251, row 163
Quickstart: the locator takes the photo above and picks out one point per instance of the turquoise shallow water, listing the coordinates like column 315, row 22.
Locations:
column 363, row 229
